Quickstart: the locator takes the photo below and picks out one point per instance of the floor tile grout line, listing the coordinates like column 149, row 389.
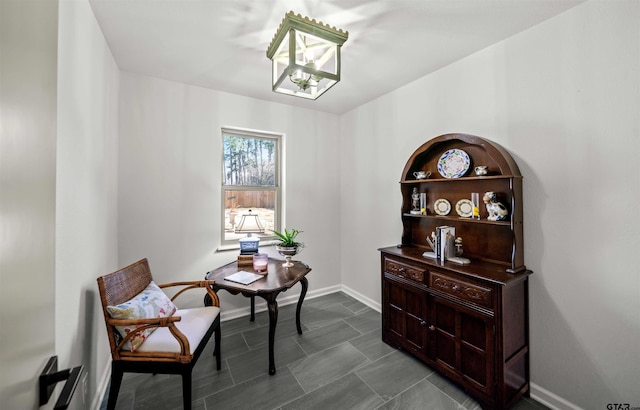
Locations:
column 297, row 381
column 353, row 327
column 444, row 392
column 327, row 382
column 325, row 313
column 296, row 341
column 372, row 389
column 308, row 355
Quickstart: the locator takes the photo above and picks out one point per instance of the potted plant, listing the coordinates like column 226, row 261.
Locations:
column 288, row 246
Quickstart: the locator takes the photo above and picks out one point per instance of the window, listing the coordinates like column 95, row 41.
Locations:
column 251, row 189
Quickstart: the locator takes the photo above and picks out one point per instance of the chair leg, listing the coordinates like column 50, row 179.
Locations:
column 186, row 390
column 114, row 388
column 216, row 349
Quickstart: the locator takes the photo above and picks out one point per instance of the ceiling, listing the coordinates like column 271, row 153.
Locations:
column 221, row 44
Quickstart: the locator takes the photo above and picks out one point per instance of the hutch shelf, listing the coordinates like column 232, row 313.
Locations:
column 469, row 322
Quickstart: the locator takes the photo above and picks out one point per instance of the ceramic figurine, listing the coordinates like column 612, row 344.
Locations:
column 415, row 202
column 458, row 243
column 497, row 211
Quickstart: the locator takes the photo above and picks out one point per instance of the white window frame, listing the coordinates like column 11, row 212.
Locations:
column 268, row 237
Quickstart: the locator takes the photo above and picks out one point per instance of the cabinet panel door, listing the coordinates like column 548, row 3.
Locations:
column 444, row 338
column 475, row 358
column 415, row 319
column 406, row 310
column 395, row 302
column 463, row 343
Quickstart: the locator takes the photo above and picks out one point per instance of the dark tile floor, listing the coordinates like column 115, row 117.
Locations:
column 339, row 362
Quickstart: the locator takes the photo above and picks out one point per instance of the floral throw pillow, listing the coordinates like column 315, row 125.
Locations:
column 150, row 303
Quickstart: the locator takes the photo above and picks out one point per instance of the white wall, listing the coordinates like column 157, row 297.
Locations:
column 86, row 192
column 564, row 99
column 170, row 178
column 28, row 44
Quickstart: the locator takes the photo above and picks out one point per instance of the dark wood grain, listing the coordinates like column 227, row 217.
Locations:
column 277, row 279
column 469, row 322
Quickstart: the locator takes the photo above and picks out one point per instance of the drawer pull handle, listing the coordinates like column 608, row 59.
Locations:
column 423, row 323
column 432, row 328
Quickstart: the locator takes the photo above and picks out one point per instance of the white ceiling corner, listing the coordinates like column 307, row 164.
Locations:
column 221, row 44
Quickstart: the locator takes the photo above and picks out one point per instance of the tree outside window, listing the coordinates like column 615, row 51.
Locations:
column 250, row 184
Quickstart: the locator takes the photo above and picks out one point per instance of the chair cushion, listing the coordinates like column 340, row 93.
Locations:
column 194, row 324
column 152, row 302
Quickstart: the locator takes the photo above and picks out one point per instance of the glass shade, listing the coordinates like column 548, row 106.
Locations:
column 305, row 57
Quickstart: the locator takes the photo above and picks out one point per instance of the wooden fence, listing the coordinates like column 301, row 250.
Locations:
column 252, row 199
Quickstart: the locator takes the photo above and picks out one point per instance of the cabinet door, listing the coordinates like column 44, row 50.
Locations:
column 463, row 343
column 404, row 319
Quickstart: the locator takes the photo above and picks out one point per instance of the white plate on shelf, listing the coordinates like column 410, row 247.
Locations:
column 442, row 207
column 464, row 208
column 454, row 163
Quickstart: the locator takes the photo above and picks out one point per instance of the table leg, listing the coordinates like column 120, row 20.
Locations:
column 253, row 309
column 272, row 305
column 305, row 284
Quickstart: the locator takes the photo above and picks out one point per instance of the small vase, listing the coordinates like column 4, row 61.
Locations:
column 288, row 252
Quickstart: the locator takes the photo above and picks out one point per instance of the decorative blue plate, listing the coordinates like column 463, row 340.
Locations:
column 454, row 163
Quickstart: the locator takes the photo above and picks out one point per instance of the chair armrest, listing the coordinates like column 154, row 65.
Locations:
column 153, row 321
column 150, row 323
column 207, row 284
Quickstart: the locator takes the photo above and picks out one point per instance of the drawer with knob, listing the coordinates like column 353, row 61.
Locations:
column 477, row 294
column 404, row 271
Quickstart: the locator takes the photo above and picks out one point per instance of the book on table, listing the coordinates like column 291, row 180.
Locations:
column 243, row 277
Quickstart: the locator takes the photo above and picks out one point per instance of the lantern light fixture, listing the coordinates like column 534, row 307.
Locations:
column 305, row 56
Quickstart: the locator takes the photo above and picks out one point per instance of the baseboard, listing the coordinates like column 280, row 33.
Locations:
column 362, row 298
column 242, row 312
column 261, row 305
column 550, row 399
column 538, row 393
column 101, row 389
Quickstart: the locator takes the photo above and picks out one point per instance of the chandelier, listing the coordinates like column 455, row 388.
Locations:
column 305, row 56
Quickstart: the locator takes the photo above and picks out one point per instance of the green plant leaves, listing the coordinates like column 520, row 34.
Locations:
column 288, row 237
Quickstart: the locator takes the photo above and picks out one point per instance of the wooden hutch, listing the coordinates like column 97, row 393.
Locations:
column 469, row 322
